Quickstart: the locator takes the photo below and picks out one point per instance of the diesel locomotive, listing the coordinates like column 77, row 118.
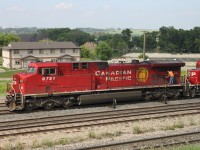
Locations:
column 64, row 84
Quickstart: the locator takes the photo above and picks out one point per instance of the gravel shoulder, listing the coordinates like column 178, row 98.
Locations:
column 78, row 138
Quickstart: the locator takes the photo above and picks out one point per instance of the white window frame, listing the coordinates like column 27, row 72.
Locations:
column 62, row 50
column 52, row 51
column 17, row 62
column 30, row 51
column 16, row 51
column 75, row 50
column 41, row 51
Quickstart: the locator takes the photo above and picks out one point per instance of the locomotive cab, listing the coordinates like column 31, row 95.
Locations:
column 23, row 84
column 15, row 90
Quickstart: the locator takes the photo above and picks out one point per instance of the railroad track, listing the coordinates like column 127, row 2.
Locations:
column 5, row 112
column 2, row 105
column 154, row 142
column 44, row 124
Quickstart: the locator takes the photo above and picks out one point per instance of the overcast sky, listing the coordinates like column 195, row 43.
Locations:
column 138, row 14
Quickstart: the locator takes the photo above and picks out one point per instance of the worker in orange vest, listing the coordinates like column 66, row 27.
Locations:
column 171, row 77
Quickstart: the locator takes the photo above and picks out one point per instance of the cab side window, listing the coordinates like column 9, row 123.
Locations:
column 75, row 66
column 47, row 71
column 84, row 65
column 52, row 71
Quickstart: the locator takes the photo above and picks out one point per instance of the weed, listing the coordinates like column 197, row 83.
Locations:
column 107, row 134
column 192, row 122
column 169, row 127
column 137, row 130
column 92, row 134
column 35, row 144
column 117, row 133
column 47, row 143
column 64, row 141
column 179, row 124
column 19, row 146
column 8, row 146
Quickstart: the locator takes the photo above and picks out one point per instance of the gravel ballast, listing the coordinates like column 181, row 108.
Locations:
column 101, row 134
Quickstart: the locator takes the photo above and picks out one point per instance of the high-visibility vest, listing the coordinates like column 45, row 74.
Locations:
column 171, row 74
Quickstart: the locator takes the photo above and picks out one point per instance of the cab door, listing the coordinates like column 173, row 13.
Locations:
column 48, row 82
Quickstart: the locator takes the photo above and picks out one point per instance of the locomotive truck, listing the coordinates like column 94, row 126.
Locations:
column 56, row 84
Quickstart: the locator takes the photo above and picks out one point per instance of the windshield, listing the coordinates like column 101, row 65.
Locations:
column 31, row 70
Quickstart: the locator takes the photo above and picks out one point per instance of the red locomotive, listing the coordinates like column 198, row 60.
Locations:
column 194, row 75
column 49, row 84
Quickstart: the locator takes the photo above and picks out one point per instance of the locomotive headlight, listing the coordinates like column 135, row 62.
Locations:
column 14, row 79
column 21, row 81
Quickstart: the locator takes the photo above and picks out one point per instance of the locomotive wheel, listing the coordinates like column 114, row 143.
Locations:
column 164, row 98
column 48, row 106
column 67, row 104
column 12, row 106
column 148, row 97
column 193, row 93
column 177, row 95
column 28, row 107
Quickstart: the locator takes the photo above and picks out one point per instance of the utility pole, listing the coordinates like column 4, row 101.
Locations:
column 144, row 44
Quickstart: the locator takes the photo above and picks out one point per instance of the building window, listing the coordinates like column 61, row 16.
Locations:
column 75, row 50
column 41, row 51
column 16, row 51
column 17, row 62
column 52, row 51
column 62, row 50
column 54, row 60
column 30, row 51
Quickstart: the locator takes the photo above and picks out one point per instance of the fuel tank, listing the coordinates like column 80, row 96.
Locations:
column 108, row 97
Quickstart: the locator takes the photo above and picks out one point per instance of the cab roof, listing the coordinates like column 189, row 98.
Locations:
column 43, row 64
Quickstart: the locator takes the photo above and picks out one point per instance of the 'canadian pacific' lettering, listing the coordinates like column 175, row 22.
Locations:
column 115, row 75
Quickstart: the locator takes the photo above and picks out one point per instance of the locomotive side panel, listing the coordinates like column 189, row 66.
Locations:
column 120, row 75
column 75, row 77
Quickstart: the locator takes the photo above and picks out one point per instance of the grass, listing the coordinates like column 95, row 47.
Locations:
column 92, row 134
column 192, row 122
column 187, row 147
column 47, row 143
column 137, row 130
column 178, row 124
column 3, row 87
column 183, row 73
column 9, row 73
column 8, row 146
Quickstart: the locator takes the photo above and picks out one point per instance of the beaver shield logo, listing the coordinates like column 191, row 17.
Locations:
column 142, row 74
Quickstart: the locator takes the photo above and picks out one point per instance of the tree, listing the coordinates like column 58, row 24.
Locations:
column 197, row 44
column 126, row 36
column 103, row 51
column 7, row 38
column 85, row 53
